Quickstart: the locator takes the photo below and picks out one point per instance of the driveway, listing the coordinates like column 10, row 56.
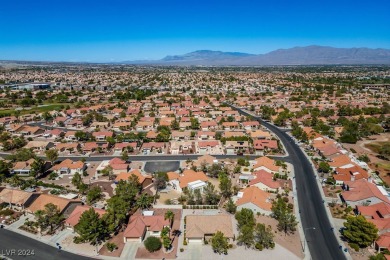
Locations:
column 162, row 166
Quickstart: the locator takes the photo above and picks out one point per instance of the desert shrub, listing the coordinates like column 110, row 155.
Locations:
column 111, row 246
column 354, row 246
column 152, row 244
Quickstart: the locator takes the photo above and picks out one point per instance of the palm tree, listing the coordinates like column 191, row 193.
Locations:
column 169, row 215
column 144, row 201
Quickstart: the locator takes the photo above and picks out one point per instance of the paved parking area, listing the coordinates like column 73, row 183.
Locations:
column 162, row 166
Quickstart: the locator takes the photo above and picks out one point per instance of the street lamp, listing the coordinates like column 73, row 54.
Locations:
column 304, row 233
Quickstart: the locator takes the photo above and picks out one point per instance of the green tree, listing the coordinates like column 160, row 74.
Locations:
column 4, row 170
column 94, row 194
column 245, row 236
column 219, row 243
column 90, row 228
column 144, row 201
column 225, row 185
column 231, row 206
column 263, row 237
column 125, row 155
column 52, row 155
column 175, row 125
column 211, row 196
column 379, row 256
column 245, row 217
column 283, row 214
column 117, row 210
column 324, row 167
column 360, row 231
column 37, row 167
column 194, row 123
column 170, row 216
column 49, row 218
column 152, row 244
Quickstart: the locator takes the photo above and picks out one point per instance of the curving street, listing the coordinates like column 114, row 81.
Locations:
column 322, row 241
column 12, row 242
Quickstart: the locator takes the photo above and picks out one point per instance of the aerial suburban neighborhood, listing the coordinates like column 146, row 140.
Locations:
column 165, row 163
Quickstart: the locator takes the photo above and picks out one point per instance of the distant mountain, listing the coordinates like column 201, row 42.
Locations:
column 206, row 55
column 310, row 55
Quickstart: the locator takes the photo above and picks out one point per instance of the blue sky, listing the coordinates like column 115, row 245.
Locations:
column 118, row 30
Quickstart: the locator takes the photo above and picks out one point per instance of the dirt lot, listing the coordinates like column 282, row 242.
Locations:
column 331, row 191
column 118, row 240
column 368, row 147
column 340, row 211
column 291, row 242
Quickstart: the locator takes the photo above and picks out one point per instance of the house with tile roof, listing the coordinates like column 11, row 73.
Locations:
column 362, row 192
column 267, row 164
column 73, row 219
column 144, row 180
column 141, row 226
column 68, row 166
column 22, row 168
column 18, row 199
column 64, row 205
column 188, row 179
column 254, row 199
column 349, row 174
column 264, row 144
column 265, row 181
column 202, row 227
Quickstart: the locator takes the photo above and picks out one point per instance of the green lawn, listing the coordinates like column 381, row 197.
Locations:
column 376, row 146
column 44, row 108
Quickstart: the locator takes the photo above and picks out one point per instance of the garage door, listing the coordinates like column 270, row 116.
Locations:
column 195, row 240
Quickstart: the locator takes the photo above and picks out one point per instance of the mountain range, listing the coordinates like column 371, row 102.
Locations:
column 309, row 55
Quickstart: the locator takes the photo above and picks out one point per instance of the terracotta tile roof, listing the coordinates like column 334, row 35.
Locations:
column 124, row 145
column 103, row 133
column 116, row 160
column 138, row 224
column 267, row 163
column 190, row 176
column 197, row 226
column 262, row 144
column 203, row 144
column 68, row 163
column 340, row 160
column 23, row 165
column 375, row 211
column 17, row 197
column 173, row 176
column 43, row 199
column 74, row 217
column 205, row 159
column 255, row 196
column 126, row 175
column 251, row 123
column 259, row 133
column 153, row 145
column 228, row 134
column 384, row 240
column 361, row 190
column 266, row 178
column 347, row 174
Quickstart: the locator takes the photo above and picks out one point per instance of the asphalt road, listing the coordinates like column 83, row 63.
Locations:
column 321, row 240
column 16, row 246
column 163, row 157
